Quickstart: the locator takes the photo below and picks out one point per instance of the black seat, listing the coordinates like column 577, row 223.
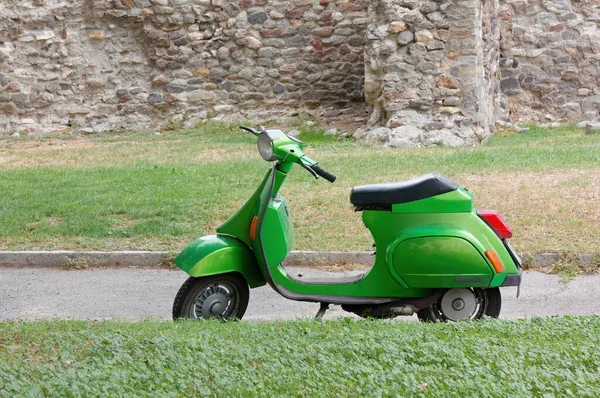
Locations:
column 383, row 196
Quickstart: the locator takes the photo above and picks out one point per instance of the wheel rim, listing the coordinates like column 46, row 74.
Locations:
column 217, row 300
column 458, row 304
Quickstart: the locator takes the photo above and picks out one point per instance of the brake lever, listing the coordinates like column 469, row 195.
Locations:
column 311, row 170
column 250, row 130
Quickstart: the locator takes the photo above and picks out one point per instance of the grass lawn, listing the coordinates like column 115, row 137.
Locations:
column 159, row 192
column 490, row 358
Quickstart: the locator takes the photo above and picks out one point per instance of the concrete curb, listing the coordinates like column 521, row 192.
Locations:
column 77, row 259
column 81, row 259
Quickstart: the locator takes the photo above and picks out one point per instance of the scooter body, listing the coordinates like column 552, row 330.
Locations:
column 429, row 241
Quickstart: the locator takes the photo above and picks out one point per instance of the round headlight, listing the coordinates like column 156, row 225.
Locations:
column 265, row 147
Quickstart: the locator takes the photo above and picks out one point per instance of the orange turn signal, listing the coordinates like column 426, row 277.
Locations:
column 253, row 225
column 495, row 260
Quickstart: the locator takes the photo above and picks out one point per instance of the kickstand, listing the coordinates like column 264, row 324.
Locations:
column 324, row 307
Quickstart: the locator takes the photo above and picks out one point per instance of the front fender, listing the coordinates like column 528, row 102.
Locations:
column 219, row 254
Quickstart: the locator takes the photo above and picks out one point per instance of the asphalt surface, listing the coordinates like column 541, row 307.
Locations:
column 134, row 294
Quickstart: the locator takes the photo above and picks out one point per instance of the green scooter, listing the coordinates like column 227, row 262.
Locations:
column 435, row 255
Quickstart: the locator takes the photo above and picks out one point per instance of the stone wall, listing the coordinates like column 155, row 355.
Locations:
column 434, row 72
column 550, row 59
column 430, row 76
column 99, row 65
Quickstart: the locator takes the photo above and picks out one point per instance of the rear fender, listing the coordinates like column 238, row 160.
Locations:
column 220, row 254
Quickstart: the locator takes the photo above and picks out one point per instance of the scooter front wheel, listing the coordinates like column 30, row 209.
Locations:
column 463, row 303
column 219, row 296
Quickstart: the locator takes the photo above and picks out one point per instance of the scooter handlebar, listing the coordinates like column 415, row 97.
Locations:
column 250, row 130
column 325, row 174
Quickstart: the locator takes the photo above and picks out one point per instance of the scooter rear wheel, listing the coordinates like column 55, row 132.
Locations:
column 464, row 303
column 219, row 296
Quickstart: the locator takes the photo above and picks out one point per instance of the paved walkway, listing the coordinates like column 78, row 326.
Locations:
column 133, row 294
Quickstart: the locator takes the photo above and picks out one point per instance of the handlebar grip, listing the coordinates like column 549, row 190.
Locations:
column 326, row 175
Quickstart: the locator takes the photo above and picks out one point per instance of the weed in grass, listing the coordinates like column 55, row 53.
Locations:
column 315, row 136
column 175, row 123
column 528, row 261
column 76, row 263
column 573, row 264
column 566, row 271
column 169, row 260
column 592, row 265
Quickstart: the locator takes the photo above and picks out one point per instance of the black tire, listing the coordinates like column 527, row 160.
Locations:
column 489, row 303
column 225, row 297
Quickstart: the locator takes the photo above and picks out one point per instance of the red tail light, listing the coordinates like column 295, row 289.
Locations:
column 493, row 219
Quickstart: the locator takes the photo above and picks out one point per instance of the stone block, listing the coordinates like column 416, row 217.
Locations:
column 452, row 101
column 448, row 81
column 46, row 35
column 269, row 52
column 298, row 41
column 592, row 128
column 155, row 98
column 428, row 6
column 97, row 36
column 19, row 98
column 253, row 97
column 449, row 110
column 441, row 138
column 397, row 27
column 253, row 43
column 510, row 86
column 423, row 36
column 583, row 92
column 258, row 18
column 435, row 45
column 324, row 31
column 273, row 42
column 9, row 108
column 223, row 53
column 375, row 136
column 162, row 10
column 78, row 111
column 405, row 37
column 116, row 13
column 172, row 89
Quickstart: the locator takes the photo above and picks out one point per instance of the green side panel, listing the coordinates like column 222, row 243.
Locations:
column 390, row 229
column 436, row 262
column 277, row 231
column 239, row 224
column 459, row 201
column 219, row 254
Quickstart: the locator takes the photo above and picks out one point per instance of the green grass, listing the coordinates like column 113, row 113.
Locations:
column 159, row 192
column 537, row 357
